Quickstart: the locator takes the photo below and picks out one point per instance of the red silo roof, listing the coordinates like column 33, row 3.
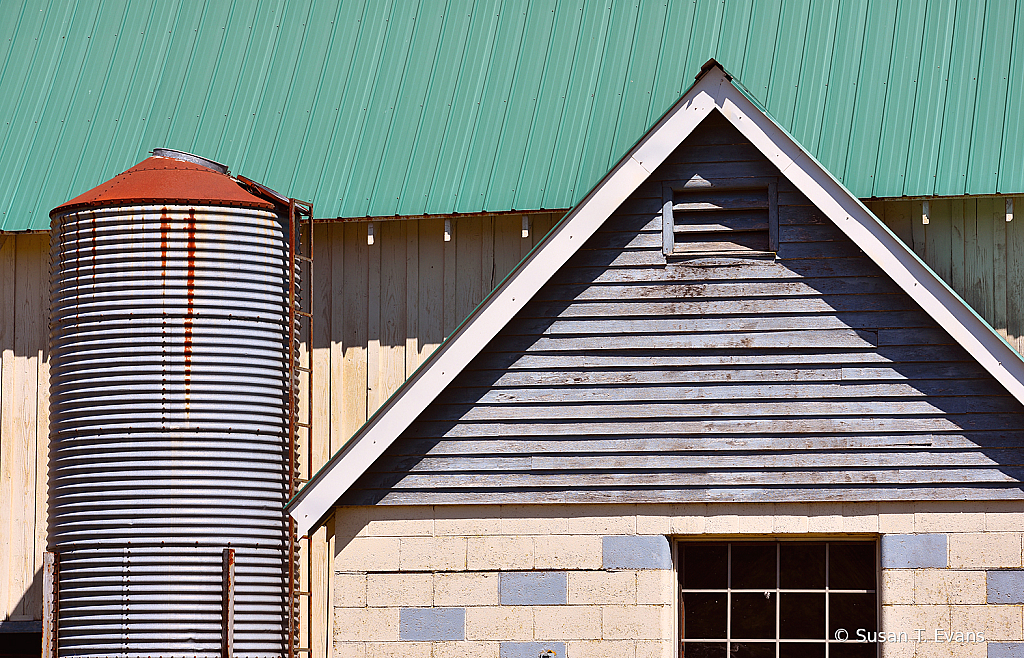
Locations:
column 160, row 180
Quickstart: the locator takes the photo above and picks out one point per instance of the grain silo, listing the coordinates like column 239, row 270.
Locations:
column 173, row 403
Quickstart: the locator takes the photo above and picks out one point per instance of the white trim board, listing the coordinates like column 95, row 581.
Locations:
column 712, row 90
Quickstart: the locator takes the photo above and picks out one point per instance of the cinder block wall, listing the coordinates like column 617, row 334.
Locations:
column 592, row 581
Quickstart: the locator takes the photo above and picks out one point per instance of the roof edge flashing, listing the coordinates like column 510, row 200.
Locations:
column 193, row 158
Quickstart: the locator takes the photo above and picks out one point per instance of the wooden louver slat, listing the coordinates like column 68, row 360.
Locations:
column 734, row 220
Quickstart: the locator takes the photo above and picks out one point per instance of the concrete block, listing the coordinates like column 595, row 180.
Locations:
column 567, row 552
column 366, row 624
column 628, row 622
column 792, row 518
column 825, row 517
column 943, row 521
column 499, row 623
column 398, row 650
column 752, row 522
column 349, row 521
column 465, row 589
column 433, row 554
column 1005, row 587
column 997, row 622
column 385, row 590
column 604, row 587
column 655, row 587
column 655, row 519
column 689, row 519
column 1004, row 521
column 602, row 649
column 860, row 517
column 897, row 586
column 636, row 552
column 534, row 520
column 467, row 520
column 349, row 590
column 349, row 650
column 533, row 588
column 722, row 519
column 572, row 622
column 985, row 549
column 602, row 519
column 369, row 554
column 913, row 551
column 532, row 650
column 946, row 586
column 514, row 553
column 430, row 624
column 1006, row 650
column 893, row 523
column 400, row 521
column 465, row 649
column 655, row 649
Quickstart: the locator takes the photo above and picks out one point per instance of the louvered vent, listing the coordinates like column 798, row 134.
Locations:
column 734, row 220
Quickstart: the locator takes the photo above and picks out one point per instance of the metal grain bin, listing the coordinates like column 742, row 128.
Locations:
column 169, row 414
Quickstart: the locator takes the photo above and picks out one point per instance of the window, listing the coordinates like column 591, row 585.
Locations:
column 779, row 599
column 734, row 217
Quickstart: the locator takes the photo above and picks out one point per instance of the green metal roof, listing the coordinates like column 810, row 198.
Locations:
column 385, row 107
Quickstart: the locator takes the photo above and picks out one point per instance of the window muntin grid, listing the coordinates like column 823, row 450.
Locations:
column 776, row 599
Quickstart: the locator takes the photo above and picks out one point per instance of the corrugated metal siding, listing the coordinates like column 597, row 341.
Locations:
column 813, row 377
column 383, row 108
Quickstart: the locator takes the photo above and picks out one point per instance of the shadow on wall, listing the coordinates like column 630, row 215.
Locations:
column 21, row 637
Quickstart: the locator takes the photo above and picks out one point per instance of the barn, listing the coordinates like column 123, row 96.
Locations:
column 720, row 410
column 617, row 307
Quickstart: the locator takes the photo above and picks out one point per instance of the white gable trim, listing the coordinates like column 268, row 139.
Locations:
column 713, row 90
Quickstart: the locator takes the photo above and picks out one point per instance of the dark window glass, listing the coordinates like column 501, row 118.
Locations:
column 753, row 650
column 777, row 599
column 853, row 650
column 704, row 650
column 801, row 650
column 704, row 615
column 753, row 566
column 802, row 616
column 851, row 566
column 801, row 565
column 851, row 612
column 705, row 566
column 753, row 615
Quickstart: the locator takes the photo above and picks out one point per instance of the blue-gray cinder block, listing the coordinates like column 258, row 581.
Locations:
column 1006, row 650
column 427, row 624
column 532, row 650
column 636, row 552
column 914, row 551
column 1005, row 586
column 534, row 588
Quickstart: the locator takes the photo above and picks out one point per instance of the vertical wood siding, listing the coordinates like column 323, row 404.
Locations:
column 629, row 379
column 969, row 243
column 24, row 431
column 379, row 311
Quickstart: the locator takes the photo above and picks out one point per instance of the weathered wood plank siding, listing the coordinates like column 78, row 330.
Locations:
column 23, row 424
column 629, row 379
column 379, row 311
column 969, row 243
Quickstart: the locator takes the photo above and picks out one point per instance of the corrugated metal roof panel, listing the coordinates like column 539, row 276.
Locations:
column 377, row 108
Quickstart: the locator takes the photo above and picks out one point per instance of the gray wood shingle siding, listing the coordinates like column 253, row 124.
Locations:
column 632, row 379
